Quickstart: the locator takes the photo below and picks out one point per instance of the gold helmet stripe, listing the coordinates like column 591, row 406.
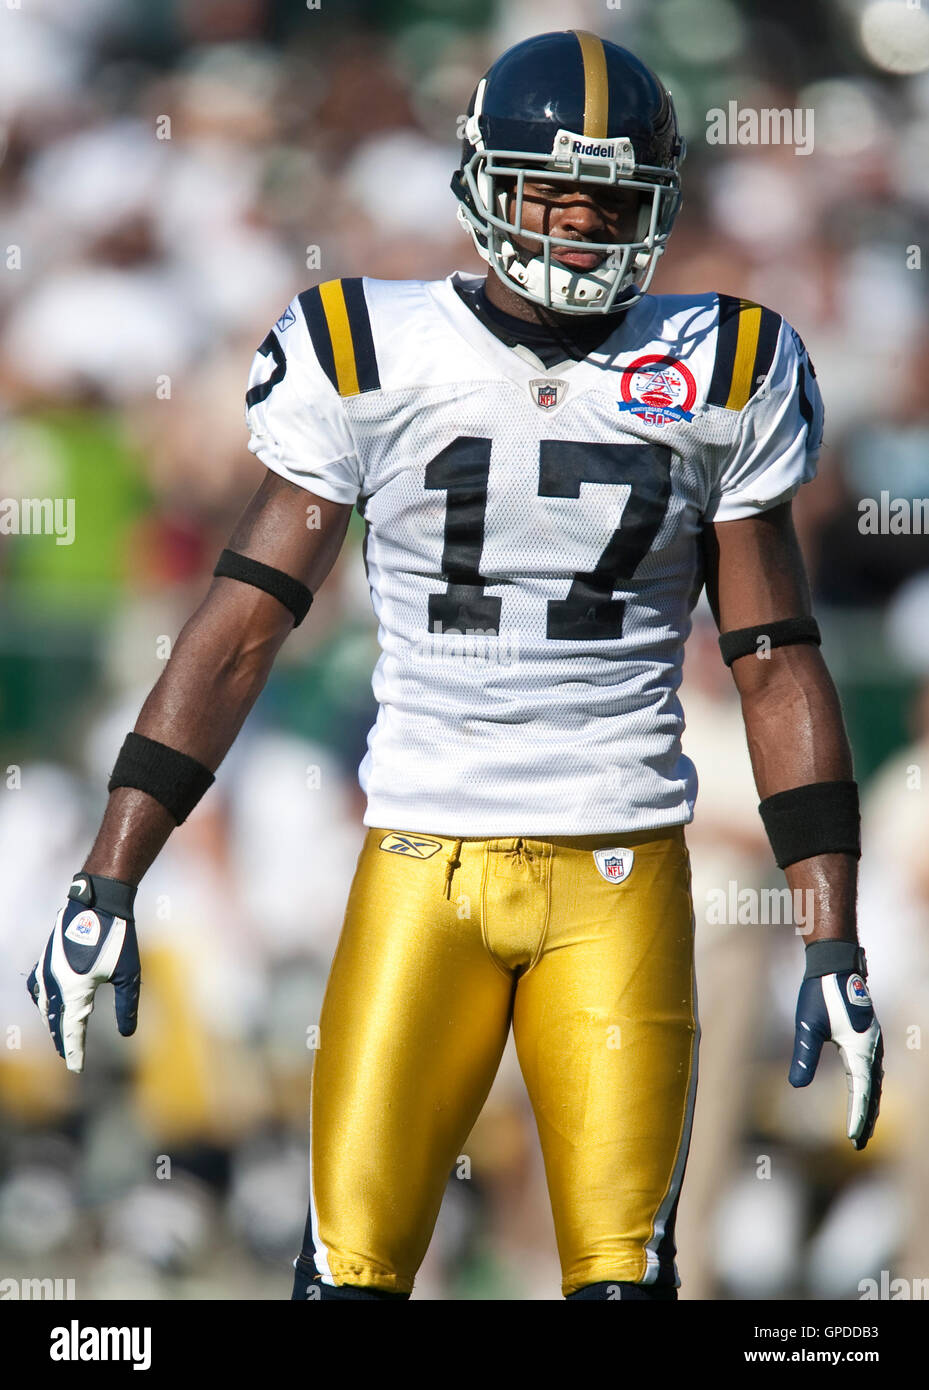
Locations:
column 596, row 86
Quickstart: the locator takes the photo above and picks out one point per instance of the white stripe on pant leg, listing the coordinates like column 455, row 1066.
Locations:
column 653, row 1264
column 320, row 1252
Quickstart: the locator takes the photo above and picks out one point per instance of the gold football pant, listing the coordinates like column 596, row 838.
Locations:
column 445, row 943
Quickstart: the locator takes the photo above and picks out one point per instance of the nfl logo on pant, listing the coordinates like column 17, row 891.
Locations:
column 614, row 864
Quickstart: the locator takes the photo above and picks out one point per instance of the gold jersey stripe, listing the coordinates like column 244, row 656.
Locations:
column 596, row 87
column 340, row 331
column 746, row 350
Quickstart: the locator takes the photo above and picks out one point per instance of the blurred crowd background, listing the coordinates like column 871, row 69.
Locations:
column 171, row 173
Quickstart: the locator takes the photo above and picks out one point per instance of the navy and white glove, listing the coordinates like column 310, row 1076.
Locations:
column 94, row 940
column 835, row 1006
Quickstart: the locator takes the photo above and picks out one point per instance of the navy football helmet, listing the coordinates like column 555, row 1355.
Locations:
column 569, row 106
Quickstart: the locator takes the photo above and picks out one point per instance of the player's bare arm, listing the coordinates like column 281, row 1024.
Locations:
column 220, row 663
column 796, row 735
column 793, row 720
column 187, row 725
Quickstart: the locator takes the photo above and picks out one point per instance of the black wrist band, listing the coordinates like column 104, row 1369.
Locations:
column 786, row 632
column 172, row 778
column 109, row 894
column 832, row 957
column 820, row 818
column 292, row 593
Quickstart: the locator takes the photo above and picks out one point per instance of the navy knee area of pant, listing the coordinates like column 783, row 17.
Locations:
column 615, row 1289
column 309, row 1287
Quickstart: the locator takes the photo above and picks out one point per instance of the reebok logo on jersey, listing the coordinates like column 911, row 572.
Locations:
column 614, row 864
column 413, row 846
column 857, row 991
column 84, row 929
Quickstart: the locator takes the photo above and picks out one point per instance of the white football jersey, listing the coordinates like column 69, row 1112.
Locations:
column 532, row 541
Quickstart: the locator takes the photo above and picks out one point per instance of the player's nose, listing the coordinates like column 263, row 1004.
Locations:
column 582, row 217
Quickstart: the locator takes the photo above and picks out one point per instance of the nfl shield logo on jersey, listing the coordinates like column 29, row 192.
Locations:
column 614, row 864
column 548, row 394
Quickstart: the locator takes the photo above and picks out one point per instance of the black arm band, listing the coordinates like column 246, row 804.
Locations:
column 786, row 632
column 832, row 957
column 287, row 590
column 172, row 778
column 820, row 818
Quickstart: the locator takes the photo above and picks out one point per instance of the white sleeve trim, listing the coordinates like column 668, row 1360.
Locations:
column 312, row 479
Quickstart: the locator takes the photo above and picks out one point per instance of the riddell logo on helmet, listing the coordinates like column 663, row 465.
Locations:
column 570, row 143
column 580, row 148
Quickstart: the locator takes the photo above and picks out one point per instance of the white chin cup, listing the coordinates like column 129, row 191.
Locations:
column 566, row 288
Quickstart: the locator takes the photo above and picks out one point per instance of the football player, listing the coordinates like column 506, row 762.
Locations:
column 551, row 463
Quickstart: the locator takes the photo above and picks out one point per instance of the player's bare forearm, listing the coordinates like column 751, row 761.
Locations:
column 793, row 719
column 217, row 670
column 796, row 735
column 219, row 665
